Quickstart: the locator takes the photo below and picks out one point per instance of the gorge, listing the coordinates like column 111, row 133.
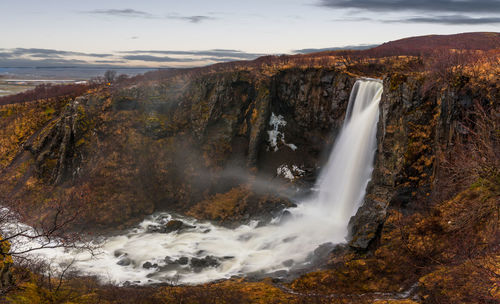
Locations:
column 315, row 178
column 200, row 252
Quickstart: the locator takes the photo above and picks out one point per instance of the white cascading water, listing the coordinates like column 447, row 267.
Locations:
column 248, row 249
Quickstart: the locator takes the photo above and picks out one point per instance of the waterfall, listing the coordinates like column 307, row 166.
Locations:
column 205, row 252
column 343, row 181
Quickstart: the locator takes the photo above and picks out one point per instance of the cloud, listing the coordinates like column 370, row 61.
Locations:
column 151, row 58
column 50, row 53
column 215, row 53
column 456, row 6
column 36, row 57
column 452, row 20
column 195, row 19
column 132, row 13
column 5, row 55
column 347, row 47
column 127, row 12
column 21, row 63
column 110, row 61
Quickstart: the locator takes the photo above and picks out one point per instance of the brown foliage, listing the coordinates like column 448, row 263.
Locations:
column 474, row 156
column 46, row 91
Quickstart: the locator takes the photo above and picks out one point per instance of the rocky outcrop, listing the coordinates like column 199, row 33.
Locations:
column 397, row 102
column 56, row 146
column 414, row 127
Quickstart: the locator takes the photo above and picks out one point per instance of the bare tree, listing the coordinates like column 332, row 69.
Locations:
column 109, row 76
column 19, row 241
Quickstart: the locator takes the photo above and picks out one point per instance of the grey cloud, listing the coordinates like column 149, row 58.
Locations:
column 36, row 57
column 453, row 19
column 41, row 63
column 30, row 57
column 461, row 6
column 151, row 58
column 192, row 19
column 441, row 19
column 5, row 55
column 196, row 19
column 348, row 47
column 216, row 53
column 48, row 53
column 132, row 13
column 127, row 12
column 110, row 61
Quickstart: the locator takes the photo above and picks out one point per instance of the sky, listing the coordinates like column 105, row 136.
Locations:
column 180, row 33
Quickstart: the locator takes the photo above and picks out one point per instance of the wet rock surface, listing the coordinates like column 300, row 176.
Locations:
column 170, row 226
column 200, row 263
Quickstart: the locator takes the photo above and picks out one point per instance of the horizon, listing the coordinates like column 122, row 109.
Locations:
column 166, row 34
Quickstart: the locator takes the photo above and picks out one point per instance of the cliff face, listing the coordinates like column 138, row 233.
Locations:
column 226, row 147
column 415, row 131
column 176, row 144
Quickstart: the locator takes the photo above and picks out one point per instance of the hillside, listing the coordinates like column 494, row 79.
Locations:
column 467, row 41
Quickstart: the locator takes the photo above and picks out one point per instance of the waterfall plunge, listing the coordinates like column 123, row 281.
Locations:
column 250, row 249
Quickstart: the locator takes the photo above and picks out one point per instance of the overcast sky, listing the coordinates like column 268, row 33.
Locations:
column 187, row 32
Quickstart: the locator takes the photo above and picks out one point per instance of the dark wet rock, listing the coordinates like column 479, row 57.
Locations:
column 170, row 226
column 168, row 260
column 149, row 265
column 176, row 225
column 279, row 274
column 125, row 261
column 182, row 261
column 173, row 225
column 364, row 226
column 133, row 283
column 208, row 261
column 169, row 267
column 286, row 215
column 321, row 253
column 118, row 253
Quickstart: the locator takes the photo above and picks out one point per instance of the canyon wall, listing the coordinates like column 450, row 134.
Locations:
column 224, row 146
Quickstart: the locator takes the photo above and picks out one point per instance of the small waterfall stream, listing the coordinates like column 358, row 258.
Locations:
column 205, row 252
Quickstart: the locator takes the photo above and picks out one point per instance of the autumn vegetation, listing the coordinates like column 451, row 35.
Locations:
column 445, row 249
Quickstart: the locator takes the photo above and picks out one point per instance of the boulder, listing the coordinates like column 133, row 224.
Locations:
column 206, row 262
column 149, row 265
column 170, row 226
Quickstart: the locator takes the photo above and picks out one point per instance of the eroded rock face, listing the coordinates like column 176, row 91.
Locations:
column 413, row 128
column 392, row 144
column 230, row 146
column 55, row 147
column 176, row 144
